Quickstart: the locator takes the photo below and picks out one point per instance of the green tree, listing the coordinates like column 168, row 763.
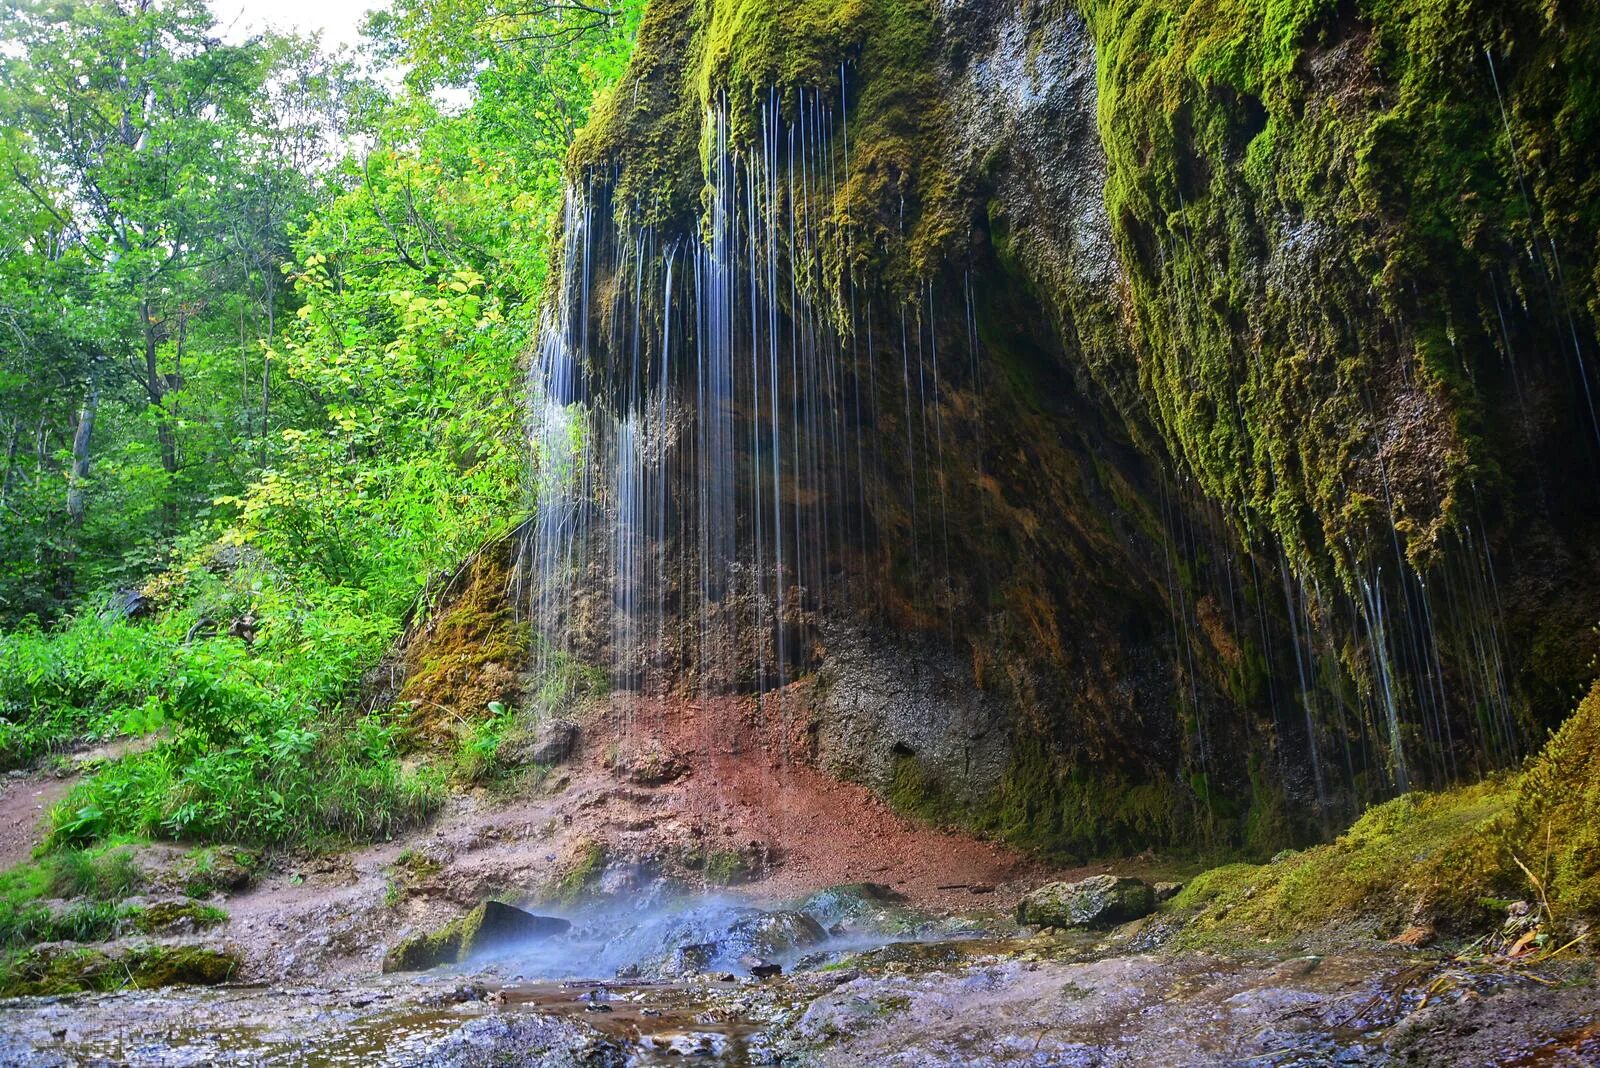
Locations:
column 154, row 174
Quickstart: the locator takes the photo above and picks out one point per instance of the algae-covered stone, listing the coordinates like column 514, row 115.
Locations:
column 775, row 934
column 861, row 908
column 491, row 925
column 66, row 969
column 1099, row 901
column 177, row 917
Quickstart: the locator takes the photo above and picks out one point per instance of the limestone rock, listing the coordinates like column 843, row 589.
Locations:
column 1099, row 901
column 861, row 908
column 774, row 934
column 491, row 924
column 552, row 741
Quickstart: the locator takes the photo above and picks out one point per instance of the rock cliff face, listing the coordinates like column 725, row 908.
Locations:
column 1106, row 424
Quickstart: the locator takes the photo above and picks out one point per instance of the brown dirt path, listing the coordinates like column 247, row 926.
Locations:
column 27, row 797
column 24, row 801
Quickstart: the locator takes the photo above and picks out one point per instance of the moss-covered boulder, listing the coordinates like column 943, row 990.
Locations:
column 177, row 917
column 1449, row 861
column 71, row 969
column 491, row 925
column 1099, row 901
column 860, row 908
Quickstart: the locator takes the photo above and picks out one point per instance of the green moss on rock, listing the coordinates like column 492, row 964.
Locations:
column 580, row 876
column 1443, row 859
column 71, row 970
column 471, row 654
column 727, row 867
column 171, row 916
column 491, row 924
column 1083, row 810
column 647, row 138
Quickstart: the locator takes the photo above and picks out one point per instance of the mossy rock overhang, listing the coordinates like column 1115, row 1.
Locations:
column 1258, row 299
column 490, row 927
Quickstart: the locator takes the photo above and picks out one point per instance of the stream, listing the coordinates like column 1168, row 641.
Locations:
column 878, row 986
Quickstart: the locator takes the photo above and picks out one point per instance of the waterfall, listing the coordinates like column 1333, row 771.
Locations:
column 733, row 438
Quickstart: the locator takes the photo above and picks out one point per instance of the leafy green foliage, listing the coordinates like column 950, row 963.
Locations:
column 478, row 758
column 153, row 175
column 297, row 380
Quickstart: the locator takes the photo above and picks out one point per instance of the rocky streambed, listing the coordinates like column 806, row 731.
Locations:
column 849, row 976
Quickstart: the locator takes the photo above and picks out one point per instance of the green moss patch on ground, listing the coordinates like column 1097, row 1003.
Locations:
column 69, row 970
column 163, row 917
column 1449, row 861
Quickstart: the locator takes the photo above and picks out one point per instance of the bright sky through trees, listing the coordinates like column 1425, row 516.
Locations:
column 339, row 21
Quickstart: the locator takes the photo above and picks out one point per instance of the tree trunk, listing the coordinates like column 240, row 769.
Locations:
column 266, row 366
column 155, row 387
column 77, row 476
column 13, row 442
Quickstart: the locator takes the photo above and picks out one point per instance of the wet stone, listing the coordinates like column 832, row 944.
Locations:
column 490, row 926
column 760, row 967
column 1099, row 901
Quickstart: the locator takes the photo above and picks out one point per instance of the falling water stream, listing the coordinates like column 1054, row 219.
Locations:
column 711, row 423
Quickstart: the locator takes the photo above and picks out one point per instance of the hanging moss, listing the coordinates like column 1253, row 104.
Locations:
column 1313, row 207
column 1241, row 132
column 693, row 56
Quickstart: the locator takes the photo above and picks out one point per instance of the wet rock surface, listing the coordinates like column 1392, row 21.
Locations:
column 1077, row 999
column 1098, row 901
column 492, row 926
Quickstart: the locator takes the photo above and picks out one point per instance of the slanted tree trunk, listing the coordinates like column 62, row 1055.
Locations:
column 156, row 387
column 266, row 367
column 78, row 473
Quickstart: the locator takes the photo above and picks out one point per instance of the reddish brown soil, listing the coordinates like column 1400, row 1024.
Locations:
column 736, row 781
column 749, row 789
column 26, row 799
column 735, row 786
